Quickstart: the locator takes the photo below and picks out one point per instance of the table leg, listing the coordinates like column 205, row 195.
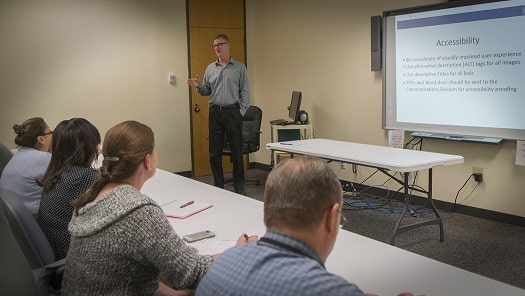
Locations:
column 431, row 201
column 400, row 229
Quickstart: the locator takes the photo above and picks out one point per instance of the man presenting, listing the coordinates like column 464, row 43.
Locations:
column 226, row 82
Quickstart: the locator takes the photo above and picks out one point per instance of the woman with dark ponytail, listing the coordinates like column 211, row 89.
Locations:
column 22, row 172
column 74, row 149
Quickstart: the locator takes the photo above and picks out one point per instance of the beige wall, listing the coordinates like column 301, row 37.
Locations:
column 323, row 49
column 108, row 61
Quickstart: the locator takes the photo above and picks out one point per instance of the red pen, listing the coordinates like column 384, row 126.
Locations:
column 187, row 204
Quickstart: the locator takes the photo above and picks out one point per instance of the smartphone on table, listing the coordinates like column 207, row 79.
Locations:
column 197, row 236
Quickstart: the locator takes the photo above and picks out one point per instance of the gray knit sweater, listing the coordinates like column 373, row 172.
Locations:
column 122, row 243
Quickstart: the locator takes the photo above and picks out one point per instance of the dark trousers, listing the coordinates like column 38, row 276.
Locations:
column 226, row 121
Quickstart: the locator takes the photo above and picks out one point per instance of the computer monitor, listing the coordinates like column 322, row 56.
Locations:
column 295, row 106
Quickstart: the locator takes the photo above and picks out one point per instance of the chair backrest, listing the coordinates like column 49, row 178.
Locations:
column 5, row 156
column 16, row 276
column 27, row 232
column 251, row 129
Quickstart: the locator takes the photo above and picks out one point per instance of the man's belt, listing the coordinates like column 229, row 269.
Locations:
column 225, row 107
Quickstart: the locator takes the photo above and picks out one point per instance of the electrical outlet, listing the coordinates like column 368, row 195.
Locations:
column 477, row 170
column 478, row 173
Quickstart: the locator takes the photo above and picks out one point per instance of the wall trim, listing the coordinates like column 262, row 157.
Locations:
column 188, row 174
column 260, row 166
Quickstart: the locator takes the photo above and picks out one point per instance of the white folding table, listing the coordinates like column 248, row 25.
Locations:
column 374, row 266
column 385, row 159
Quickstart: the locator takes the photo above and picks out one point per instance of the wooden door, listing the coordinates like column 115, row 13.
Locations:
column 206, row 19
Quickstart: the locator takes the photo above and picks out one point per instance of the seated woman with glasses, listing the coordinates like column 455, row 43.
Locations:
column 70, row 172
column 21, row 174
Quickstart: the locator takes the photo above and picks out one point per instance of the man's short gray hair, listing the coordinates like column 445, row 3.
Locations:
column 298, row 192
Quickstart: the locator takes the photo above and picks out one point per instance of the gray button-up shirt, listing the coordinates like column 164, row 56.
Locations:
column 226, row 85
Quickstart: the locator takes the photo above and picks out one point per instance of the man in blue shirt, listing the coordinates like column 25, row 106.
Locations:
column 226, row 82
column 302, row 212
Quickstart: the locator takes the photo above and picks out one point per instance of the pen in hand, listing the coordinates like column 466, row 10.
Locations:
column 187, row 204
column 245, row 239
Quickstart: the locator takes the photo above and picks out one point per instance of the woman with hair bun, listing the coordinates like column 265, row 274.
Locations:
column 22, row 173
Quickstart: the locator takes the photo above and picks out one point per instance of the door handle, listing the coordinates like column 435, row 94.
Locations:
column 197, row 108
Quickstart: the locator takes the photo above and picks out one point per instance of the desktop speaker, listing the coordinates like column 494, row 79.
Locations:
column 375, row 44
column 303, row 117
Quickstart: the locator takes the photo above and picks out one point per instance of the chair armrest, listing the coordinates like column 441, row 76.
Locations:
column 50, row 278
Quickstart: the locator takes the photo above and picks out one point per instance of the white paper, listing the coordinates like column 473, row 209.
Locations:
column 293, row 143
column 184, row 208
column 212, row 247
column 396, row 138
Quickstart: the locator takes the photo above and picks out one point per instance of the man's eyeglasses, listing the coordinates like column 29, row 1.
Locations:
column 219, row 45
column 343, row 220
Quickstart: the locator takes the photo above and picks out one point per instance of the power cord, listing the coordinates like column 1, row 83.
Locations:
column 457, row 194
column 383, row 205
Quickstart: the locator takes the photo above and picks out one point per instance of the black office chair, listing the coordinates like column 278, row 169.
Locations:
column 34, row 244
column 251, row 137
column 16, row 276
column 5, row 156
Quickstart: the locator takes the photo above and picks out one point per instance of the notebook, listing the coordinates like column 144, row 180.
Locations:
column 184, row 208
